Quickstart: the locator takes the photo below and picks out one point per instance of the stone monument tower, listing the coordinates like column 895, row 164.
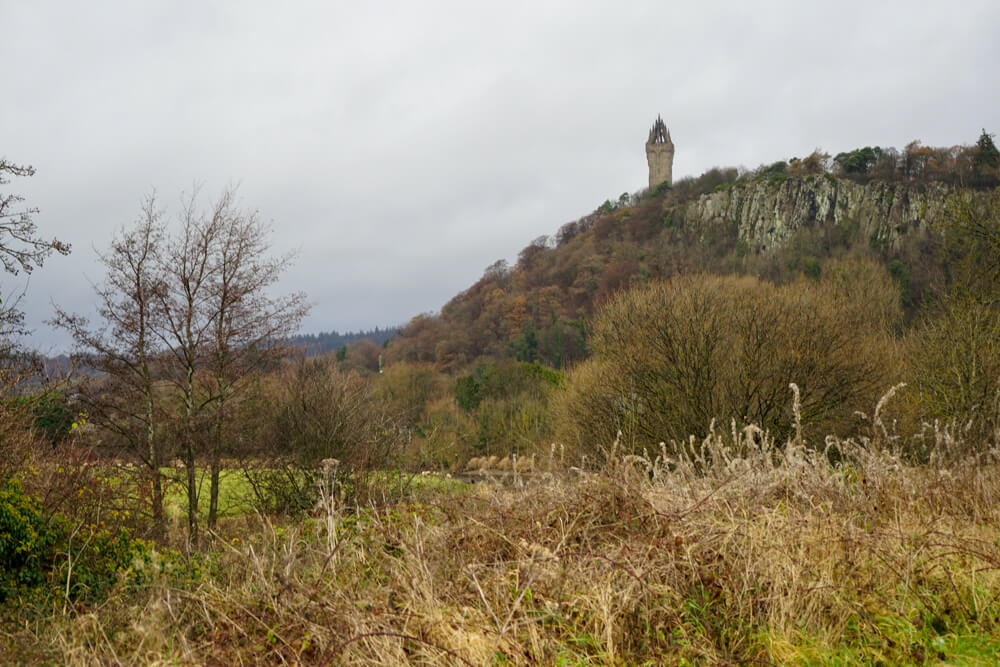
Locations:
column 660, row 154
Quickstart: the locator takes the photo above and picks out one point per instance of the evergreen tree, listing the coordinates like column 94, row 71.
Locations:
column 988, row 155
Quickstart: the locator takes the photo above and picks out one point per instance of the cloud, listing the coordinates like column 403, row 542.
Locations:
column 403, row 147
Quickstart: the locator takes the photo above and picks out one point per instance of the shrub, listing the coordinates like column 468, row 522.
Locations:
column 320, row 412
column 660, row 189
column 33, row 543
column 954, row 364
column 510, row 404
column 689, row 188
column 671, row 357
column 104, row 559
column 28, row 542
column 408, row 389
column 505, row 379
column 52, row 415
column 594, row 406
column 811, row 268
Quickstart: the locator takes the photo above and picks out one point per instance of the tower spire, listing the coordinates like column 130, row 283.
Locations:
column 660, row 154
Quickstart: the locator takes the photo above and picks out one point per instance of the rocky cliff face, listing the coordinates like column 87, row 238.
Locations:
column 766, row 213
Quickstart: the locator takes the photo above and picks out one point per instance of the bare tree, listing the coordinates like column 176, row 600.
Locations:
column 21, row 249
column 185, row 268
column 219, row 324
column 247, row 323
column 188, row 321
column 125, row 348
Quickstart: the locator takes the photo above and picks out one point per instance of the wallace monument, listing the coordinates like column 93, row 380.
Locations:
column 660, row 154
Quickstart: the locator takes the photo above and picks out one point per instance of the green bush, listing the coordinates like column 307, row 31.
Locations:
column 28, row 541
column 811, row 268
column 660, row 189
column 504, row 379
column 51, row 414
column 509, row 403
column 106, row 559
column 37, row 549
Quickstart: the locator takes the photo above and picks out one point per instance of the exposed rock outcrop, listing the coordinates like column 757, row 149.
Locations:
column 766, row 213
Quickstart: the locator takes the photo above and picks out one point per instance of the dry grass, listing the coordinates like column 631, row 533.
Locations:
column 739, row 550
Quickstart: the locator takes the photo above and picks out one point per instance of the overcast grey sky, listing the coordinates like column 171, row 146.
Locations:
column 401, row 147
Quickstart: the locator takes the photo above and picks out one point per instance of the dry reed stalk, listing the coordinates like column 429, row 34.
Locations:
column 735, row 548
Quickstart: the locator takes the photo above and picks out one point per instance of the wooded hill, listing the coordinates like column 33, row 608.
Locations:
column 782, row 220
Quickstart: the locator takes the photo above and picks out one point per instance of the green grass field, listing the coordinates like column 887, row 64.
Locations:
column 235, row 493
column 236, row 496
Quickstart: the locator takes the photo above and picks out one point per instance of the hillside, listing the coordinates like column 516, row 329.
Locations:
column 770, row 223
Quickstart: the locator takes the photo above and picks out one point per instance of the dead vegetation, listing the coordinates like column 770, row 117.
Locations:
column 733, row 550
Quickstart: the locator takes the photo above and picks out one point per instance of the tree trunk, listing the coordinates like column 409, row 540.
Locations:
column 213, row 506
column 189, row 456
column 215, row 460
column 192, row 495
column 154, row 461
column 158, row 523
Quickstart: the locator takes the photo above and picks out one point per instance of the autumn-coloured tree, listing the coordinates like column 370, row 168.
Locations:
column 817, row 162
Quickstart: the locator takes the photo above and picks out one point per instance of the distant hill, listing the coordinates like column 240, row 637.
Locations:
column 313, row 344
column 324, row 342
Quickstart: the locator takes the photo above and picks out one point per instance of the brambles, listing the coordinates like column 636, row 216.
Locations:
column 45, row 555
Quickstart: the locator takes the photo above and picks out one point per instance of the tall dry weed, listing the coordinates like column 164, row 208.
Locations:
column 736, row 548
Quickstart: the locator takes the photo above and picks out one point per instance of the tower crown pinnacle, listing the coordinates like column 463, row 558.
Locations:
column 659, row 134
column 660, row 154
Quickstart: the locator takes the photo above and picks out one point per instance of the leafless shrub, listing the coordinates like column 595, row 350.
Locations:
column 314, row 412
column 670, row 357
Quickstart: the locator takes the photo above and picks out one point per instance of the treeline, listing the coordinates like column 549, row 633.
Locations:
column 362, row 346
column 963, row 165
column 331, row 341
